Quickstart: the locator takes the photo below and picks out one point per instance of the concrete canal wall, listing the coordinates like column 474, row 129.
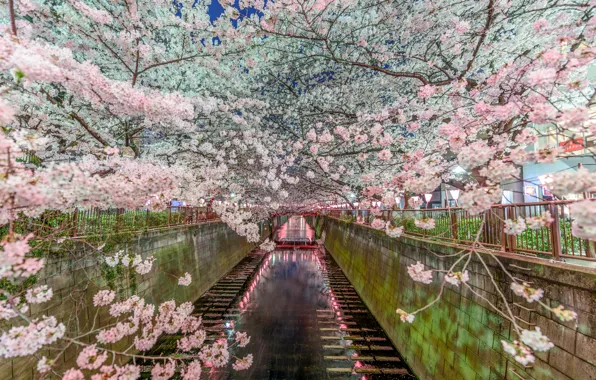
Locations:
column 460, row 336
column 206, row 251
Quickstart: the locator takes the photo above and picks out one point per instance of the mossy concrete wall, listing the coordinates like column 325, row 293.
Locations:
column 460, row 336
column 207, row 251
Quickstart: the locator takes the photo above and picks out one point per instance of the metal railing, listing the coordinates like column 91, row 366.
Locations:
column 457, row 225
column 81, row 222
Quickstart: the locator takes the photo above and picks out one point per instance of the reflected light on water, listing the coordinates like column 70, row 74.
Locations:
column 295, row 230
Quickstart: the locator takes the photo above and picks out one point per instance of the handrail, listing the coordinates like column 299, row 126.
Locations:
column 456, row 225
column 95, row 221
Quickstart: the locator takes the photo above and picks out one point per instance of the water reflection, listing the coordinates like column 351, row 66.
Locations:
column 280, row 315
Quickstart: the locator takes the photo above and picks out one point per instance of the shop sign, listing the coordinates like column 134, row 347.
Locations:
column 572, row 145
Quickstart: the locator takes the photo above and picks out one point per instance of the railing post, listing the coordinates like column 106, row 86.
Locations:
column 591, row 249
column 100, row 219
column 453, row 219
column 555, row 231
column 169, row 214
column 75, row 222
column 119, row 219
column 503, row 216
column 512, row 238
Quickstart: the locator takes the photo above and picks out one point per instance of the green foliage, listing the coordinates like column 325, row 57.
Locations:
column 85, row 223
column 16, row 288
column 540, row 240
column 348, row 218
column 110, row 274
column 467, row 229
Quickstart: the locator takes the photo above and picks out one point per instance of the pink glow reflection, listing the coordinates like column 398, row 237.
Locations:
column 295, row 230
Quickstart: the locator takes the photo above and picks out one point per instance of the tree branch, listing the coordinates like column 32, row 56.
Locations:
column 13, row 23
column 489, row 20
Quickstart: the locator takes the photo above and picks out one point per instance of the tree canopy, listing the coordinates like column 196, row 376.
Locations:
column 290, row 103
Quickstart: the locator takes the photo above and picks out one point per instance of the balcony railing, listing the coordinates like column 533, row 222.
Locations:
column 457, row 225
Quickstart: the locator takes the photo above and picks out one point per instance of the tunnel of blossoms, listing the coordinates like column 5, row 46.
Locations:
column 247, row 110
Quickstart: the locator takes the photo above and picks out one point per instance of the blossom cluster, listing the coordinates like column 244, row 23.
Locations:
column 417, row 273
column 39, row 294
column 377, row 224
column 456, row 278
column 267, row 245
column 15, row 263
column 393, row 232
column 243, row 363
column 405, row 316
column 425, row 223
column 185, row 280
column 141, row 266
column 524, row 290
column 521, row 353
column 216, row 354
column 103, row 298
column 479, row 200
column 114, row 120
column 514, row 226
column 27, row 340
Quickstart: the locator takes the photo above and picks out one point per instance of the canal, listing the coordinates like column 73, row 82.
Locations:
column 304, row 318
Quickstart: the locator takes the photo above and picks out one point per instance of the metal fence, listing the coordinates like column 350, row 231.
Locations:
column 82, row 222
column 457, row 225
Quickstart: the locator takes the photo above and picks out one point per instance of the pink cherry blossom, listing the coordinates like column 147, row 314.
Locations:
column 242, row 339
column 185, row 280
column 519, row 351
column 6, row 112
column 426, row 91
column 193, row 341
column 44, row 365
column 27, row 340
column 524, row 290
column 103, row 298
column 73, row 374
column 418, row 274
column 540, row 24
column 163, row 372
column 361, row 139
column 378, row 224
column 425, row 224
column 192, row 371
column 385, row 155
column 243, row 364
column 404, row 316
column 91, row 358
column 39, row 294
column 542, row 76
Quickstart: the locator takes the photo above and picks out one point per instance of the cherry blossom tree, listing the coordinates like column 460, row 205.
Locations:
column 281, row 105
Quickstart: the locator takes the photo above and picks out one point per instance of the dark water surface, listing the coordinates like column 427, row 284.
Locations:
column 304, row 318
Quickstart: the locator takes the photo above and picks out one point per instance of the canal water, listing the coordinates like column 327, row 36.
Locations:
column 304, row 318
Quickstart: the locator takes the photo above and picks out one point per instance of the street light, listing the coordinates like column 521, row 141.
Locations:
column 427, row 198
column 454, row 194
